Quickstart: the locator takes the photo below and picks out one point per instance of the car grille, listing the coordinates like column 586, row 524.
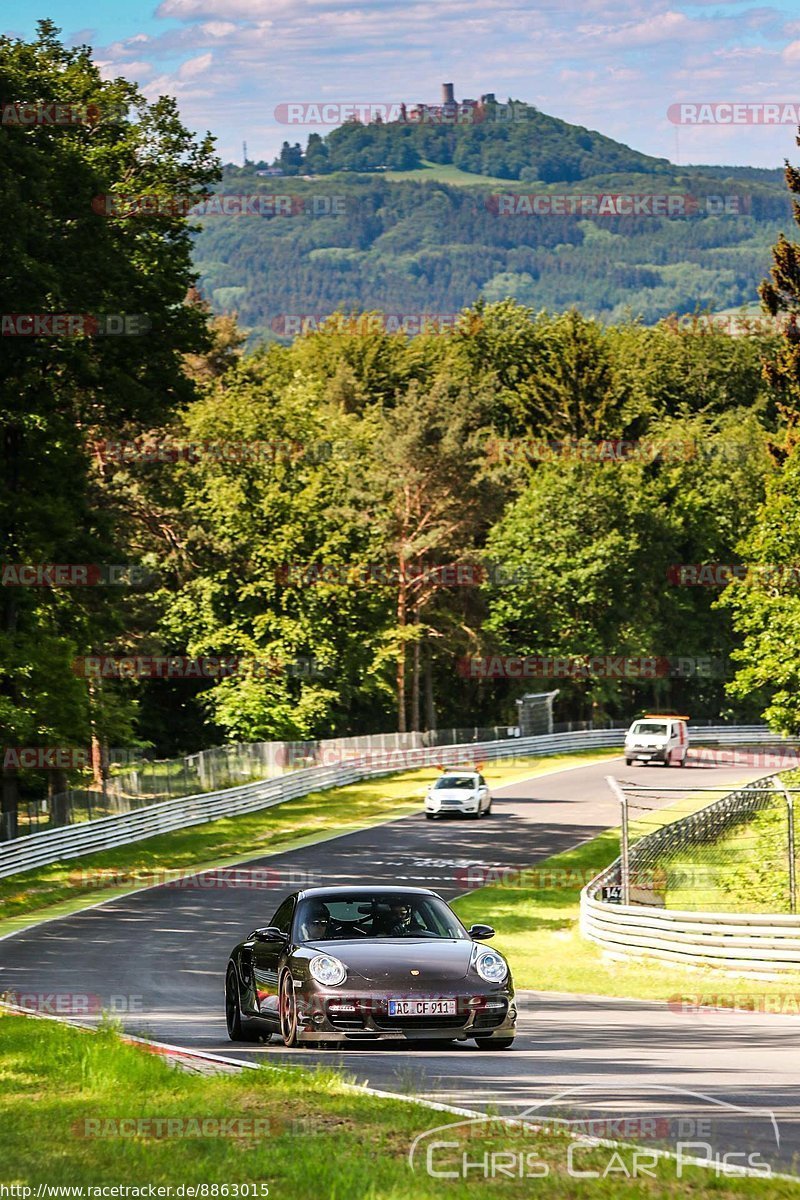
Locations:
column 442, row 1022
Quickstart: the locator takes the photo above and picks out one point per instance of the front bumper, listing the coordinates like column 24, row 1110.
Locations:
column 365, row 1017
column 456, row 808
column 648, row 754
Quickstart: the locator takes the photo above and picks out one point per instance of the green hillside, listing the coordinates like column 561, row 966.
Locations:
column 409, row 218
column 512, row 142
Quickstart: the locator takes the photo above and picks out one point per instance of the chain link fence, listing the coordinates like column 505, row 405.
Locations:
column 736, row 854
column 131, row 784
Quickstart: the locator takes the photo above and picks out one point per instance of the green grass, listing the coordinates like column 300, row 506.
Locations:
column 536, row 915
column 447, row 173
column 318, row 1139
column 747, row 871
column 68, row 886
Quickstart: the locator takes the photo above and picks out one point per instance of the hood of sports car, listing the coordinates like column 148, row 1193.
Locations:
column 392, row 960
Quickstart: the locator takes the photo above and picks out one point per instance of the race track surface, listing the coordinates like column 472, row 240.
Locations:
column 157, row 957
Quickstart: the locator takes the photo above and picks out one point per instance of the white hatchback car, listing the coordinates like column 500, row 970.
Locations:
column 462, row 793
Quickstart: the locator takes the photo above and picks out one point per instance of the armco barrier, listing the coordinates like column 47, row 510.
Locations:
column 71, row 841
column 760, row 944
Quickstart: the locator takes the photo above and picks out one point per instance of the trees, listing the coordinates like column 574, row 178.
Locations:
column 589, row 553
column 765, row 605
column 59, row 394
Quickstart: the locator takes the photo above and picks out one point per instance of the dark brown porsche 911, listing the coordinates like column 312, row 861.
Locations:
column 339, row 964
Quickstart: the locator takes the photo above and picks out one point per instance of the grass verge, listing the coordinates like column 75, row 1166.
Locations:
column 536, row 915
column 301, row 1134
column 65, row 887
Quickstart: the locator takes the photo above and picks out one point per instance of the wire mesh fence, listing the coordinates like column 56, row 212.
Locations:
column 735, row 854
column 133, row 783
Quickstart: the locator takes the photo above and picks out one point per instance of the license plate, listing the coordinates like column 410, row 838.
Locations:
column 422, row 1008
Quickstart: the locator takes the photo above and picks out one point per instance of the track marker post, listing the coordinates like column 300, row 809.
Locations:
column 789, row 798
column 625, row 875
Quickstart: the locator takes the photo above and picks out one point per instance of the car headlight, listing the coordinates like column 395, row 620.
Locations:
column 490, row 966
column 327, row 970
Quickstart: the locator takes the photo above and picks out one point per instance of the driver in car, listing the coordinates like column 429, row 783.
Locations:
column 317, row 925
column 398, row 922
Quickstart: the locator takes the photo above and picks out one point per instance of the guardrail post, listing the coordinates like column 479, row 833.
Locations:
column 792, row 879
column 624, row 863
column 780, row 787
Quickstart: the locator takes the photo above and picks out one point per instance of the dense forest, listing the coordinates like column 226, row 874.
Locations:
column 361, row 530
column 428, row 246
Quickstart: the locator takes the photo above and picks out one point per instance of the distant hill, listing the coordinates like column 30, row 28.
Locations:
column 526, row 145
column 422, row 218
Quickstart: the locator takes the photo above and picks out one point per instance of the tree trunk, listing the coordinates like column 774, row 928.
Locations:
column 430, row 707
column 98, row 764
column 401, row 652
column 9, row 806
column 415, row 723
column 59, row 800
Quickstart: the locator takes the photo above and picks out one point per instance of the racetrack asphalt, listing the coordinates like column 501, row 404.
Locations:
column 157, row 958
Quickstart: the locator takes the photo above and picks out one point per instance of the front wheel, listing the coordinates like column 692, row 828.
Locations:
column 628, row 762
column 287, row 1005
column 430, row 816
column 488, row 1043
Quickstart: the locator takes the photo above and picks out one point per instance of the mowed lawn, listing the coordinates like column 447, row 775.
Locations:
column 83, row 1109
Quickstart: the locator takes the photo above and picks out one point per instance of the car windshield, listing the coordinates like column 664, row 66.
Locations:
column 384, row 915
column 456, row 781
column 658, row 728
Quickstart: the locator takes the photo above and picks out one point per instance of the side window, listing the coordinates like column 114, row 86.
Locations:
column 481, row 781
column 283, row 917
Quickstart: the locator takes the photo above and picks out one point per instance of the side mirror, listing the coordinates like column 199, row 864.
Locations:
column 270, row 934
column 480, row 933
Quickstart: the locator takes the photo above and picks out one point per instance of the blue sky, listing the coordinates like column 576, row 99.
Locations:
column 609, row 65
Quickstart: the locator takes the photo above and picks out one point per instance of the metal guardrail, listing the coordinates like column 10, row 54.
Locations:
column 72, row 841
column 747, row 943
column 352, row 764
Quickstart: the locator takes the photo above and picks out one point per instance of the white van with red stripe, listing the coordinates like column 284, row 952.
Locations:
column 658, row 737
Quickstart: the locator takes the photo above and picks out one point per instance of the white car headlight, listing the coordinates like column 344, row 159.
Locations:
column 490, row 965
column 327, row 970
